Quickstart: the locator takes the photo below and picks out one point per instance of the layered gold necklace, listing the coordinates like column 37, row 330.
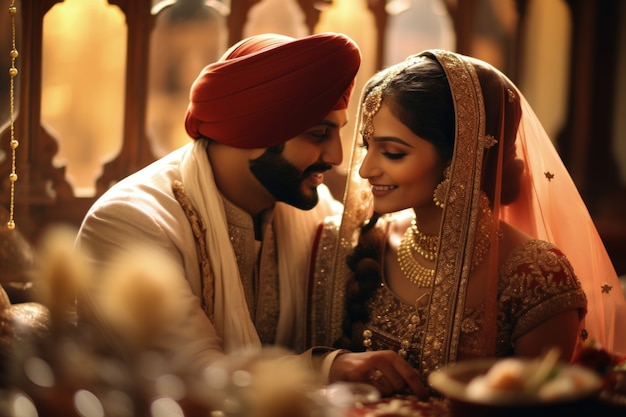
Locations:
column 416, row 244
column 417, row 248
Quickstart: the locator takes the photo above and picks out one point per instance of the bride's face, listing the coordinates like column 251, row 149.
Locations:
column 402, row 168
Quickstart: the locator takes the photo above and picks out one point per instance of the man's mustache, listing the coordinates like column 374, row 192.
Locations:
column 316, row 169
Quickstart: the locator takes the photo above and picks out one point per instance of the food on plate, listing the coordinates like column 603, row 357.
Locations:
column 532, row 380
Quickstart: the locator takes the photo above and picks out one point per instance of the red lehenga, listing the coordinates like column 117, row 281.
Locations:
column 549, row 209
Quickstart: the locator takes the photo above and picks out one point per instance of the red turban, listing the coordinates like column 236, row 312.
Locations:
column 269, row 88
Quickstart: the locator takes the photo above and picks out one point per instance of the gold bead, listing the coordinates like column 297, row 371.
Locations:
column 11, row 225
column 14, row 53
column 12, row 71
column 12, row 10
column 13, row 177
column 14, row 144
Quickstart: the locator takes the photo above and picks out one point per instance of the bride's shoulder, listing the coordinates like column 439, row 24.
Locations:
column 514, row 238
column 518, row 247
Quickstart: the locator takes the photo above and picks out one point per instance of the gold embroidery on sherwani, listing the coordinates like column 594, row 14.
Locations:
column 259, row 279
column 241, row 233
column 199, row 231
column 260, row 283
column 266, row 293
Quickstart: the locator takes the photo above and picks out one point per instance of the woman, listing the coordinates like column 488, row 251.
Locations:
column 470, row 235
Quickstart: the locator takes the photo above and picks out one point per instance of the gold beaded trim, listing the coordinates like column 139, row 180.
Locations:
column 13, row 142
column 405, row 343
column 410, row 335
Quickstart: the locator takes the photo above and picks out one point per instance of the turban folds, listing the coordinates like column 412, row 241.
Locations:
column 269, row 88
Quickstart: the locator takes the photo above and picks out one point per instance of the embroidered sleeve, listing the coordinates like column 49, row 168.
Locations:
column 539, row 283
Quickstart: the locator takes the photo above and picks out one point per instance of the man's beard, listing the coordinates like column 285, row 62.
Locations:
column 283, row 180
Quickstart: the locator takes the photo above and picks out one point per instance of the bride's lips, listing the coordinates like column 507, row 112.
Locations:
column 382, row 190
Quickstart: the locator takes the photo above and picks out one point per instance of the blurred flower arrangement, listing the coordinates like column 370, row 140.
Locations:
column 611, row 367
column 105, row 365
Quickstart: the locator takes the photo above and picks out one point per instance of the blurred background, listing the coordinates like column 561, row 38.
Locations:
column 103, row 85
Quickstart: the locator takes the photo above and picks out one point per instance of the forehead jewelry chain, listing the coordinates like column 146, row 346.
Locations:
column 13, row 142
column 372, row 102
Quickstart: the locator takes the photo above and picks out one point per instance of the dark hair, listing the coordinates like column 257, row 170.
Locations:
column 364, row 261
column 420, row 98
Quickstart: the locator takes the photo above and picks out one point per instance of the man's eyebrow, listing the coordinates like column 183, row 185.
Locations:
column 329, row 124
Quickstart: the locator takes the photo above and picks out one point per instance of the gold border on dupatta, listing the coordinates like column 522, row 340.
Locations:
column 443, row 326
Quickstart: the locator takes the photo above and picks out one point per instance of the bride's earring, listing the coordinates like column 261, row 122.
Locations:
column 439, row 195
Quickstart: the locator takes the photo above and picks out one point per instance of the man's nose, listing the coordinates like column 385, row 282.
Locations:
column 333, row 151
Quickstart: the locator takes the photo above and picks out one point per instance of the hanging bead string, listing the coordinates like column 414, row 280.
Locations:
column 13, row 143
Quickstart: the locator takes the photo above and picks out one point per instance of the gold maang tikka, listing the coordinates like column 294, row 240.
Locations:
column 373, row 100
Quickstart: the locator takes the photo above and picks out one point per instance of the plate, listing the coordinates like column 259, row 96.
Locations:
column 460, row 383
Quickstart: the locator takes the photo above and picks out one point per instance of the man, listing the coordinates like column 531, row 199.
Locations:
column 236, row 209
column 266, row 122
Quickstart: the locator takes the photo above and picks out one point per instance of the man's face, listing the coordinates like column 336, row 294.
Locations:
column 292, row 172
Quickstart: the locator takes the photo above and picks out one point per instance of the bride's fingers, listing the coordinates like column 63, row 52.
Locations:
column 378, row 379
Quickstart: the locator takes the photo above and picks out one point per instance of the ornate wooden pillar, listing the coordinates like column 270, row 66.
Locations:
column 39, row 184
column 135, row 152
column 237, row 19
column 585, row 143
column 463, row 15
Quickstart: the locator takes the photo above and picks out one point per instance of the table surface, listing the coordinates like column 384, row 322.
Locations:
column 412, row 407
column 402, row 406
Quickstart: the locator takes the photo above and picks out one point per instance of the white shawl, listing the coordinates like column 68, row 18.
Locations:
column 294, row 231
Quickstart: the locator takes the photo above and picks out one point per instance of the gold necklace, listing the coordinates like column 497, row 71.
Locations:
column 415, row 242
column 424, row 245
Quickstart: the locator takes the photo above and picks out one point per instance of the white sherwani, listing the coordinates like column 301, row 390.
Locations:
column 143, row 210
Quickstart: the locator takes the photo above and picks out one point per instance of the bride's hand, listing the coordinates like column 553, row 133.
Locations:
column 384, row 369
